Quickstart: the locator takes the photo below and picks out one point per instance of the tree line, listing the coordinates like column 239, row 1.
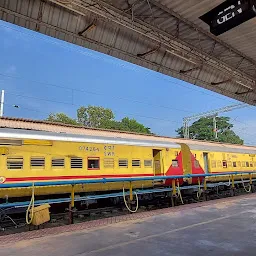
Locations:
column 100, row 117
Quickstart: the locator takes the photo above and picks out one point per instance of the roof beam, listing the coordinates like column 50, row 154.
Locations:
column 87, row 29
column 221, row 82
column 245, row 92
column 167, row 40
column 132, row 31
column 190, row 70
column 148, row 52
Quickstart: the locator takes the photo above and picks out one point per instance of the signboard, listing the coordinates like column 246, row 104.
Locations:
column 229, row 14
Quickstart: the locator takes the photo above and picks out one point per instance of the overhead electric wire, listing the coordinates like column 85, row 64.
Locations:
column 78, row 105
column 124, row 65
column 69, row 47
column 171, row 121
column 29, row 109
column 98, row 93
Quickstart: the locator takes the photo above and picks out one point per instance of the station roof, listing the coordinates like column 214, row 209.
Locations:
column 162, row 35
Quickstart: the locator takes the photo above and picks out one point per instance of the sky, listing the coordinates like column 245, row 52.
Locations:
column 43, row 75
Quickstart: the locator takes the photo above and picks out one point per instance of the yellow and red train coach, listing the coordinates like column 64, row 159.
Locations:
column 39, row 151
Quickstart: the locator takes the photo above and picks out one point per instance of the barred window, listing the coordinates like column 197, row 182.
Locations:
column 229, row 164
column 238, row 164
column 93, row 163
column 214, row 165
column 219, row 164
column 243, row 164
column 37, row 162
column 136, row 163
column 76, row 162
column 175, row 163
column 108, row 162
column 14, row 163
column 123, row 163
column 247, row 164
column 148, row 163
column 58, row 162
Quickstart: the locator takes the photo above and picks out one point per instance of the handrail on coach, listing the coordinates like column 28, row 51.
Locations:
column 110, row 180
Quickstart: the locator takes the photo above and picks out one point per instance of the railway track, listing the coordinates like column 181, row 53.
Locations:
column 14, row 224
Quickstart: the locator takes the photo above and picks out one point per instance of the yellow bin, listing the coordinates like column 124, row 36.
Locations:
column 41, row 214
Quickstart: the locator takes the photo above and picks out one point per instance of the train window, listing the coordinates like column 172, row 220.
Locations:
column 251, row 164
column 229, row 164
column 58, row 162
column 93, row 163
column 136, row 163
column 234, row 164
column 243, row 164
column 14, row 163
column 148, row 163
column 247, row 164
column 76, row 162
column 224, row 164
column 219, row 164
column 10, row 142
column 175, row 163
column 238, row 164
column 108, row 162
column 196, row 164
column 37, row 162
column 214, row 164
column 123, row 163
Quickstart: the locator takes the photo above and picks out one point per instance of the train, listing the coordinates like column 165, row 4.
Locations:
column 32, row 151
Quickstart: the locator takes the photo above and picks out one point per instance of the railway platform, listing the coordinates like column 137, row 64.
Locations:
column 221, row 227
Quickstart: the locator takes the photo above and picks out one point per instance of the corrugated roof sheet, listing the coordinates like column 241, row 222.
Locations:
column 127, row 29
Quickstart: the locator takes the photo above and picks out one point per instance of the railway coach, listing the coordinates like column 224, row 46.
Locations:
column 32, row 151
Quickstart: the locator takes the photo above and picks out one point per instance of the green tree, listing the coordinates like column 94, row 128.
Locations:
column 99, row 117
column 202, row 129
column 93, row 116
column 132, row 125
column 61, row 118
column 126, row 124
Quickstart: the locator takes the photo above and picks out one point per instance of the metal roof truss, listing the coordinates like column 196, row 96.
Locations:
column 144, row 32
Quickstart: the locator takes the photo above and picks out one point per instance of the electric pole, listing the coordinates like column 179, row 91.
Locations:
column 211, row 113
column 2, row 104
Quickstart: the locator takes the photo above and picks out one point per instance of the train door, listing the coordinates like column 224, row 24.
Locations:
column 157, row 162
column 206, row 162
